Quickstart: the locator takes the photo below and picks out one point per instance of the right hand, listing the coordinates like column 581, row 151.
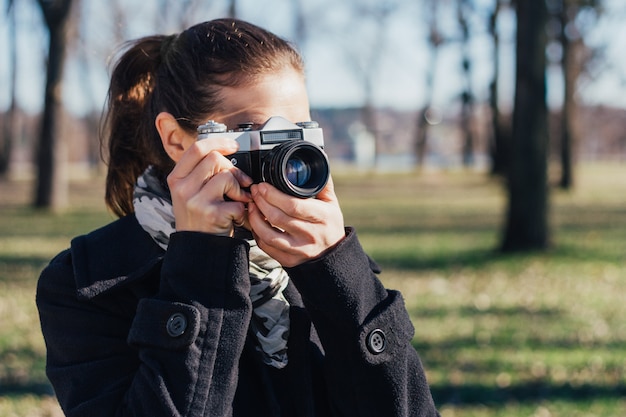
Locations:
column 200, row 183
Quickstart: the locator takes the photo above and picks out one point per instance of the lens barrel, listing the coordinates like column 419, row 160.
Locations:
column 298, row 168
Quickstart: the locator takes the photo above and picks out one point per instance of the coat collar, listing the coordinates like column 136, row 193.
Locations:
column 112, row 255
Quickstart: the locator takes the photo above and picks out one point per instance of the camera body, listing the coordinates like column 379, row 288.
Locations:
column 287, row 155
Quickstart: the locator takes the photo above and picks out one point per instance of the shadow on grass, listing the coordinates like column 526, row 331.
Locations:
column 451, row 355
column 480, row 258
column 40, row 389
column 416, row 261
column 22, row 372
column 524, row 393
column 41, row 224
column 468, row 311
column 33, row 383
column 21, row 269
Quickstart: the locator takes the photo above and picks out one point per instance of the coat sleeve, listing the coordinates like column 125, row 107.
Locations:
column 105, row 358
column 371, row 367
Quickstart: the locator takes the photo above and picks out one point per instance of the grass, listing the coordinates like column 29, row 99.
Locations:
column 534, row 335
column 538, row 334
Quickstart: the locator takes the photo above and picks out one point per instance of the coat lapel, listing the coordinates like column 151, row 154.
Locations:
column 113, row 255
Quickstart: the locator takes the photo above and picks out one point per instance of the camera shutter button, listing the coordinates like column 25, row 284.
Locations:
column 245, row 126
column 310, row 124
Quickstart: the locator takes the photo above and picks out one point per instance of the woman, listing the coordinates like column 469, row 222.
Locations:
column 213, row 296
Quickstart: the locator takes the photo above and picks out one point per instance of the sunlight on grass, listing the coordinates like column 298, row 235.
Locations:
column 506, row 335
column 29, row 406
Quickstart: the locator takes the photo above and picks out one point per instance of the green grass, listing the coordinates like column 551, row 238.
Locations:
column 537, row 334
column 28, row 239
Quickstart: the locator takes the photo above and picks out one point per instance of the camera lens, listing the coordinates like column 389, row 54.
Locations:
column 296, row 167
column 298, row 172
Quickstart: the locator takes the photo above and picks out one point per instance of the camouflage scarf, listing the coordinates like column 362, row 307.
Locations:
column 270, row 317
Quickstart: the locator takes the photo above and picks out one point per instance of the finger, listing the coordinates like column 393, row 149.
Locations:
column 240, row 222
column 235, row 213
column 229, row 214
column 281, row 232
column 279, row 208
column 243, row 178
column 328, row 192
column 225, row 184
column 280, row 245
column 199, row 150
column 260, row 226
column 183, row 188
column 213, row 163
column 201, row 214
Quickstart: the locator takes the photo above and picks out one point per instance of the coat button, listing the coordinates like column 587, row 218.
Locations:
column 376, row 341
column 176, row 325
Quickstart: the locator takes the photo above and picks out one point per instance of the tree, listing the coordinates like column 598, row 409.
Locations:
column 232, row 8
column 499, row 140
column 526, row 224
column 51, row 191
column 7, row 135
column 574, row 57
column 366, row 61
column 467, row 97
column 435, row 40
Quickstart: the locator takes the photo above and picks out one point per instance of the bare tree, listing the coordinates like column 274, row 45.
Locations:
column 574, row 57
column 527, row 217
column 7, row 138
column 232, row 8
column 179, row 15
column 366, row 58
column 369, row 70
column 51, row 190
column 467, row 96
column 435, row 40
column 499, row 140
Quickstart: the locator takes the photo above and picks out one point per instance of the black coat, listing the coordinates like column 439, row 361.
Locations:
column 133, row 330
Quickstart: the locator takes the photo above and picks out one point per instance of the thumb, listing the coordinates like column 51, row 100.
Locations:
column 328, row 192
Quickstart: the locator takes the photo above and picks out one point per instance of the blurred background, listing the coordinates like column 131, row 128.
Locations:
column 396, row 83
column 478, row 146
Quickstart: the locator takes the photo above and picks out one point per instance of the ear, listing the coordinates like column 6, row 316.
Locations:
column 174, row 138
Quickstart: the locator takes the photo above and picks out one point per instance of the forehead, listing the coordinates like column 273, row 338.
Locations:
column 281, row 93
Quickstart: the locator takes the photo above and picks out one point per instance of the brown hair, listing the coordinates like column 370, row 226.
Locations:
column 182, row 75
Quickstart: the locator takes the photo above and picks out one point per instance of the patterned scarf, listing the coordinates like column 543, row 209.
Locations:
column 270, row 316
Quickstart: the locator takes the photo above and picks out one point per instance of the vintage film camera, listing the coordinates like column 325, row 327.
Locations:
column 289, row 156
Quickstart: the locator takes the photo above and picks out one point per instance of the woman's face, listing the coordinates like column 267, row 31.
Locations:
column 276, row 94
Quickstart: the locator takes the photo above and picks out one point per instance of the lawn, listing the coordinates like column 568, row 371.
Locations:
column 537, row 334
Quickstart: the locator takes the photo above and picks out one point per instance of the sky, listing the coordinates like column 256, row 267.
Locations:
column 337, row 46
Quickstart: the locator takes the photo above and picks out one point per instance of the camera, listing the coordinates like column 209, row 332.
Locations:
column 289, row 156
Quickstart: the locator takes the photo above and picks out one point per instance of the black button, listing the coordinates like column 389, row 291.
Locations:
column 176, row 325
column 376, row 341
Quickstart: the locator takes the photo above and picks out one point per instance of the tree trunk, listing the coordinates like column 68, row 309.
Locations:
column 52, row 182
column 499, row 142
column 570, row 70
column 467, row 98
column 434, row 42
column 527, row 225
column 9, row 125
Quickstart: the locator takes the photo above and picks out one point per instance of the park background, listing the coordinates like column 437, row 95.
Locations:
column 413, row 124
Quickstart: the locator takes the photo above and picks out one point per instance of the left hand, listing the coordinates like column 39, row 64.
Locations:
column 293, row 230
